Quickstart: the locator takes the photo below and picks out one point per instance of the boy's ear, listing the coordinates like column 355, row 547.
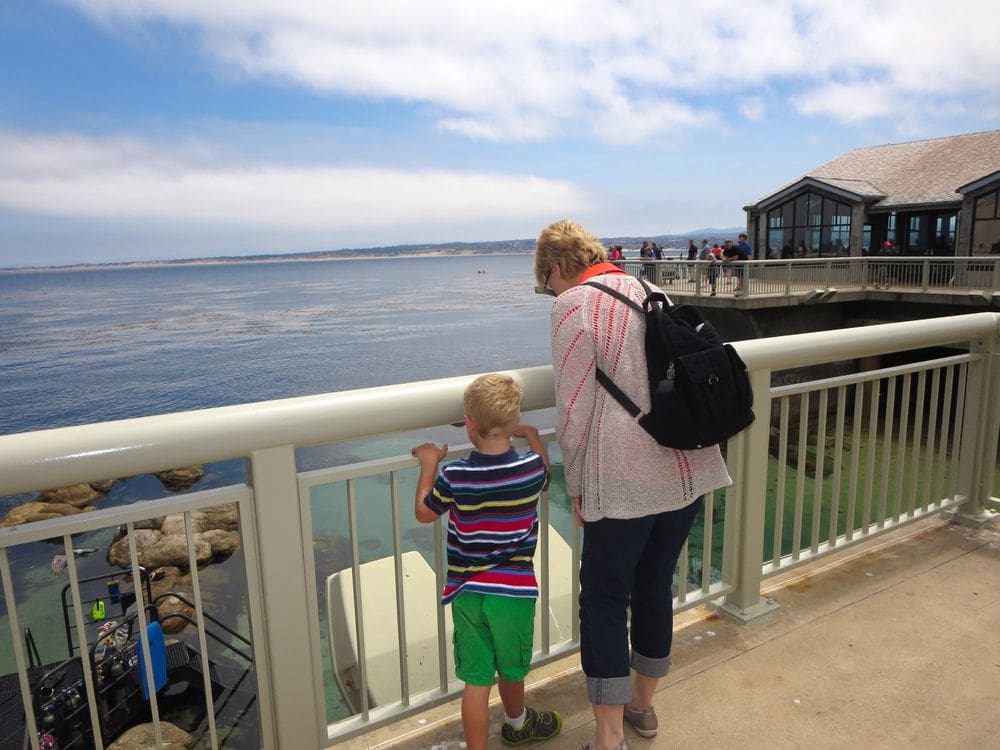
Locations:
column 469, row 423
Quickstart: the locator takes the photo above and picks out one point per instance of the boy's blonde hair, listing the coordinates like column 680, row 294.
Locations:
column 494, row 403
column 569, row 246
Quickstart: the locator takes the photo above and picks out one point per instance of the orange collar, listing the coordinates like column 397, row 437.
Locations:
column 599, row 270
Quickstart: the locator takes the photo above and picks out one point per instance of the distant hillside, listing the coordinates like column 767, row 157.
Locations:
column 447, row 248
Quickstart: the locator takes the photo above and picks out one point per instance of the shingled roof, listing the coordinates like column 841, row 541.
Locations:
column 914, row 173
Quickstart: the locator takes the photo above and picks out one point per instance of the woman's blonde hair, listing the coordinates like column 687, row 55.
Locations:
column 494, row 403
column 569, row 246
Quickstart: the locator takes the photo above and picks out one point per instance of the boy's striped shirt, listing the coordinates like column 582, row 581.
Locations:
column 491, row 503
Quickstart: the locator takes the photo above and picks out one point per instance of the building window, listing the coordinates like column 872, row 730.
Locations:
column 809, row 225
column 986, row 224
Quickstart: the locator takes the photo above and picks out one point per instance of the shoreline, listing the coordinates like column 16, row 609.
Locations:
column 237, row 260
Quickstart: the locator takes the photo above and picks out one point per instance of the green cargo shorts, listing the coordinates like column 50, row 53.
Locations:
column 493, row 635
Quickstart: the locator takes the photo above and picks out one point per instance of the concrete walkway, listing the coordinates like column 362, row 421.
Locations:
column 894, row 644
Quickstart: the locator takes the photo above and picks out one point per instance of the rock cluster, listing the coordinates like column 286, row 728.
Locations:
column 163, row 541
column 80, row 498
column 143, row 737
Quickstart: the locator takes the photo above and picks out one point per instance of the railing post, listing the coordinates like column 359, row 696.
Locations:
column 288, row 620
column 979, row 429
column 747, row 456
column 925, row 275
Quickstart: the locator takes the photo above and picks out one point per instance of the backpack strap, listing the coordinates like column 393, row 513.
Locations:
column 602, row 377
column 627, row 404
column 618, row 295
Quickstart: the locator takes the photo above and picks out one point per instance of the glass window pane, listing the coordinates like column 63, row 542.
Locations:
column 986, row 205
column 775, row 241
column 986, row 237
column 843, row 215
column 815, row 210
column 800, row 209
column 788, row 214
column 829, row 207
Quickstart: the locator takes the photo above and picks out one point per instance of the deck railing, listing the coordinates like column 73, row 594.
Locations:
column 965, row 275
column 854, row 449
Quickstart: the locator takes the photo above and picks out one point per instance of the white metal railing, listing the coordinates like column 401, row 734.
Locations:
column 900, row 441
column 963, row 275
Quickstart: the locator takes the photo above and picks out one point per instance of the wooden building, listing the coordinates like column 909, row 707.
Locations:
column 934, row 197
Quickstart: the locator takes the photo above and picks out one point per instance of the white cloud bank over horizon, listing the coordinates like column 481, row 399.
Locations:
column 523, row 70
column 133, row 179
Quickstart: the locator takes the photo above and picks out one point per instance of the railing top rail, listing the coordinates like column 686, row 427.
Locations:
column 804, row 349
column 132, row 447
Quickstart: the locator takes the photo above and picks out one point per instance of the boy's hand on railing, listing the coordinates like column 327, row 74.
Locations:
column 429, row 456
column 429, row 453
column 530, row 433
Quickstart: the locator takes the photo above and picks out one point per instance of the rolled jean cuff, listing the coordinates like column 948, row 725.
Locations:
column 613, row 691
column 649, row 667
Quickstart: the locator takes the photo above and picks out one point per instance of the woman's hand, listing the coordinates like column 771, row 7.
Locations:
column 578, row 509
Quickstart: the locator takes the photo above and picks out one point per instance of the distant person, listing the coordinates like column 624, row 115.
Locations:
column 745, row 247
column 880, row 273
column 735, row 256
column 686, row 270
column 648, row 269
column 615, row 253
column 657, row 251
column 711, row 254
column 491, row 499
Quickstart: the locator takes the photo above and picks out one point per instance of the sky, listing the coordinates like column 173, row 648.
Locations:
column 155, row 129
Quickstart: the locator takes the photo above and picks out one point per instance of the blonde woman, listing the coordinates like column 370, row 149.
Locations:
column 635, row 499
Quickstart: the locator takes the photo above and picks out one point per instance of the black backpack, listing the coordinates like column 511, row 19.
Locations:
column 699, row 388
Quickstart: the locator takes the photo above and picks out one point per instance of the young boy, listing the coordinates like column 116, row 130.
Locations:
column 491, row 499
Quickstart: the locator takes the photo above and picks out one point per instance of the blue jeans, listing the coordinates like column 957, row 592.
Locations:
column 629, row 562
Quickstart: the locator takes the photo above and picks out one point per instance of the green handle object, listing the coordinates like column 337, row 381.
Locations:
column 98, row 611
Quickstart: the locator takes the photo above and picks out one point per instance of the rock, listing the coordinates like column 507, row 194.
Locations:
column 156, row 550
column 172, row 605
column 104, row 486
column 180, row 479
column 36, row 511
column 143, row 737
column 225, row 517
column 223, row 543
column 76, row 495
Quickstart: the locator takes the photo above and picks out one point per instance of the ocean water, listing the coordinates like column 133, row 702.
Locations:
column 94, row 345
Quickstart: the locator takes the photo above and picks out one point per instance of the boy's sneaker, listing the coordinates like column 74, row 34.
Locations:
column 538, row 726
column 644, row 722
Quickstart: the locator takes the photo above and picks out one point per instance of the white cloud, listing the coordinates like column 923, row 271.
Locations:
column 850, row 102
column 121, row 179
column 525, row 70
column 753, row 108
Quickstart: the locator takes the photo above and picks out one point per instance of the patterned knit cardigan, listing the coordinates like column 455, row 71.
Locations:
column 617, row 468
